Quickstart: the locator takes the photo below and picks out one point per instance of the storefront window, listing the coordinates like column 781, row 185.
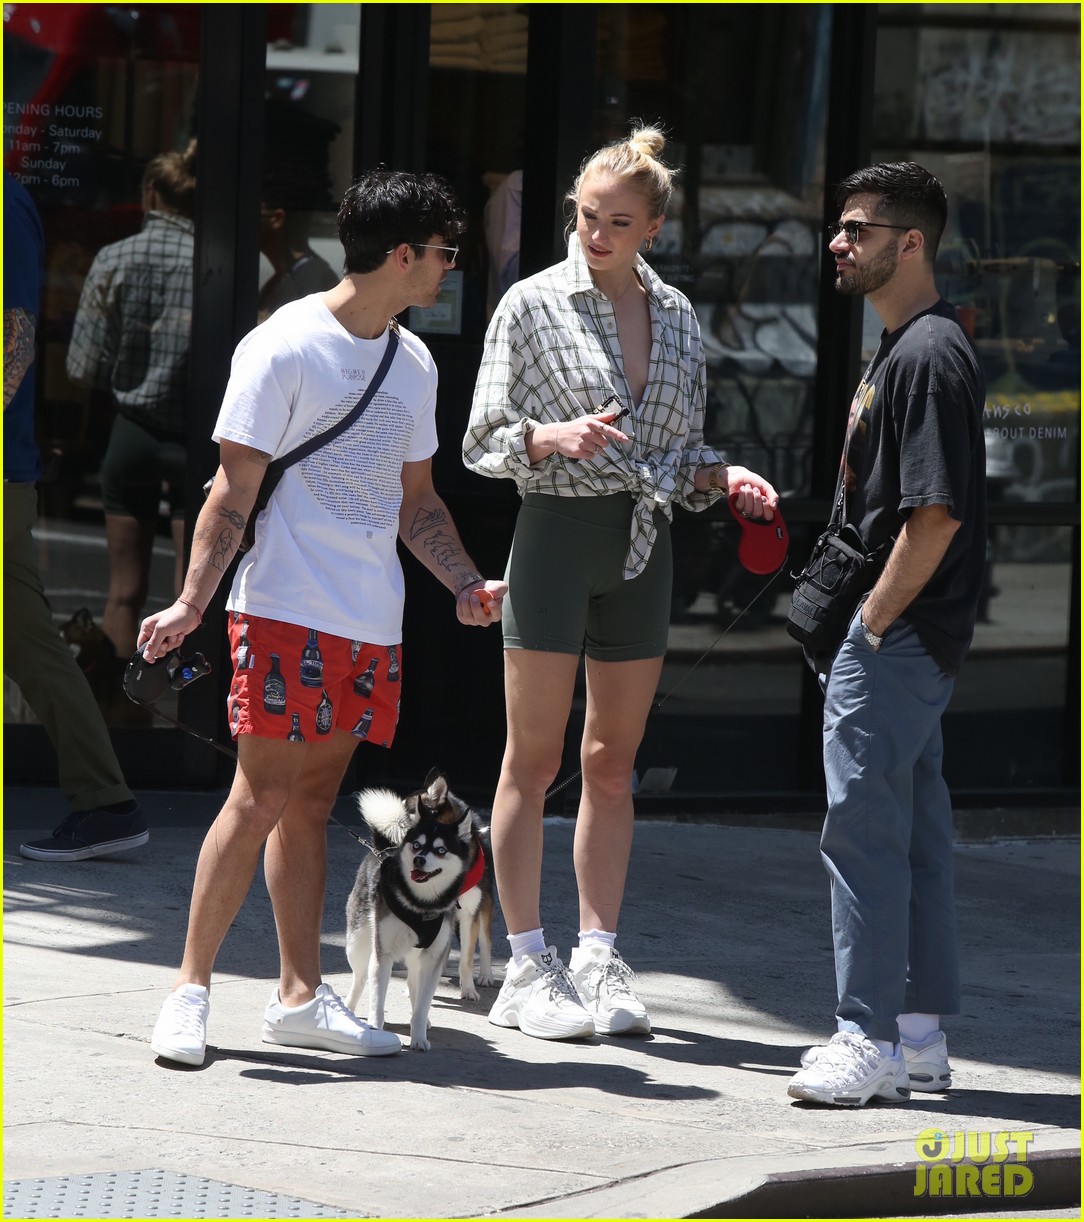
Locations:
column 993, row 108
column 99, row 119
column 474, row 138
column 309, row 116
column 740, row 90
column 995, row 112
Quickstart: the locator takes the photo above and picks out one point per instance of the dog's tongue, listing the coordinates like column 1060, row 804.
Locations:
column 420, row 876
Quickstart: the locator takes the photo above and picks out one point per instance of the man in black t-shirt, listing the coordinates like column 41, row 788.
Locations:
column 913, row 477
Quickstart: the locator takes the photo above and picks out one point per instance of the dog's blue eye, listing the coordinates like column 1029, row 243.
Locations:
column 442, row 851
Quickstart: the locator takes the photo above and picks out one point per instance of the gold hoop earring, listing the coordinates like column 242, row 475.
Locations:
column 650, row 243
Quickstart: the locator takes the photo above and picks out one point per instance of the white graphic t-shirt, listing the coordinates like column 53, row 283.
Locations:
column 325, row 554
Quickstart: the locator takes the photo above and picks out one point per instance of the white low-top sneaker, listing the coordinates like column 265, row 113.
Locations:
column 927, row 1064
column 326, row 1024
column 603, row 981
column 180, row 1034
column 539, row 998
column 849, row 1071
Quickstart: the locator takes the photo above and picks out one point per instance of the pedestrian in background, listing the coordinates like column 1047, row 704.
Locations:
column 105, row 818
column 131, row 337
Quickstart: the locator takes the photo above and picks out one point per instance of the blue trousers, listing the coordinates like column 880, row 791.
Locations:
column 887, row 838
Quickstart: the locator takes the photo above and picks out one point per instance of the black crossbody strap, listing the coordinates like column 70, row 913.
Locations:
column 321, row 439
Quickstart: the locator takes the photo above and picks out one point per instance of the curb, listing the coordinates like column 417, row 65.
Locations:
column 889, row 1191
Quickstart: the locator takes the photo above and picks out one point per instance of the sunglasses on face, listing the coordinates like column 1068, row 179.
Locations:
column 853, row 229
column 451, row 253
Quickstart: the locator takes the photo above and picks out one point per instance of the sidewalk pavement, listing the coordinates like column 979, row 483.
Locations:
column 728, row 931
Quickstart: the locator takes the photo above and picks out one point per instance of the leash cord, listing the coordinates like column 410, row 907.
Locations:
column 657, row 705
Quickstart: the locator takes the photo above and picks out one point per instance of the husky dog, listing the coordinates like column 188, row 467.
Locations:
column 427, row 873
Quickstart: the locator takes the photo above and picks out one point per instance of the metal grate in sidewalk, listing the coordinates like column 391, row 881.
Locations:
column 151, row 1194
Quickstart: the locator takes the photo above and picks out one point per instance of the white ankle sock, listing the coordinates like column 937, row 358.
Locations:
column 597, row 937
column 885, row 1046
column 532, row 942
column 917, row 1028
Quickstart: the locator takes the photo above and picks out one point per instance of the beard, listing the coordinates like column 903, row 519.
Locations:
column 861, row 281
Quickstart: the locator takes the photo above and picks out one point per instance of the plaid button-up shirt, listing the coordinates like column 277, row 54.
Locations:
column 133, row 327
column 552, row 354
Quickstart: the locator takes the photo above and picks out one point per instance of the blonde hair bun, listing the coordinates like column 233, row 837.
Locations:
column 648, row 141
column 635, row 161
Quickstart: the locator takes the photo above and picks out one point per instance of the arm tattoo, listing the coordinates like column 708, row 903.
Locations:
column 234, row 518
column 19, row 331
column 222, row 550
column 444, row 549
column 426, row 519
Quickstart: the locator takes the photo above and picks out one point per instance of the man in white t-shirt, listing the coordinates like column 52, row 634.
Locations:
column 316, row 606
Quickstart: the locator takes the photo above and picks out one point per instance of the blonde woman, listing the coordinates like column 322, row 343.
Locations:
column 591, row 397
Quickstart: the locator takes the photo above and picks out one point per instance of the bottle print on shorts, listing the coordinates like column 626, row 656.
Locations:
column 244, row 650
column 312, row 662
column 365, row 722
column 274, row 688
column 355, row 649
column 393, row 664
column 364, row 683
column 324, row 714
column 295, row 735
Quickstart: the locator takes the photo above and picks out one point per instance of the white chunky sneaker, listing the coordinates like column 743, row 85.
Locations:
column 603, row 981
column 180, row 1034
column 849, row 1071
column 928, row 1068
column 326, row 1024
column 539, row 998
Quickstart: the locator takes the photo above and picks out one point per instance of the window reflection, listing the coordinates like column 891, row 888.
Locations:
column 742, row 241
column 1008, row 706
column 100, row 108
column 969, row 102
column 474, row 138
column 1005, row 139
column 309, row 105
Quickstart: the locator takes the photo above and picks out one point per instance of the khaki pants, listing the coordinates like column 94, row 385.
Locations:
column 47, row 674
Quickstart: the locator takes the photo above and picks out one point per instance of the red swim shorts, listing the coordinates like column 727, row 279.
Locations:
column 298, row 684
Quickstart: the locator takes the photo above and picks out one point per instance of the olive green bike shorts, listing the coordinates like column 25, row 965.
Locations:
column 566, row 590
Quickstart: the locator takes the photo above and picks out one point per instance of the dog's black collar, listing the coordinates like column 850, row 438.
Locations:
column 425, row 927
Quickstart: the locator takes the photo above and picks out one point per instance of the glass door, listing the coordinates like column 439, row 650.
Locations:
column 99, row 123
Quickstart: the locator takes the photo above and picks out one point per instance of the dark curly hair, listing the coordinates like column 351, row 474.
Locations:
column 385, row 208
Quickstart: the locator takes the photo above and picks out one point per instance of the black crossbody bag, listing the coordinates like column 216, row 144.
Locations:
column 837, row 575
column 278, row 466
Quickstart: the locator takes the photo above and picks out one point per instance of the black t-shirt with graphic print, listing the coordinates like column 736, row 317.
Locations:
column 915, row 438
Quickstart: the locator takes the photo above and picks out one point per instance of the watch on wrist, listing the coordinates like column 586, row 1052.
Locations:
column 713, row 478
column 875, row 642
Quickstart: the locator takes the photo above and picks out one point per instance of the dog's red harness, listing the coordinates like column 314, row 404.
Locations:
column 474, row 874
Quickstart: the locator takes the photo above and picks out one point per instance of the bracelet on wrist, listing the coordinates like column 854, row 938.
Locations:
column 470, row 580
column 192, row 607
column 714, row 484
